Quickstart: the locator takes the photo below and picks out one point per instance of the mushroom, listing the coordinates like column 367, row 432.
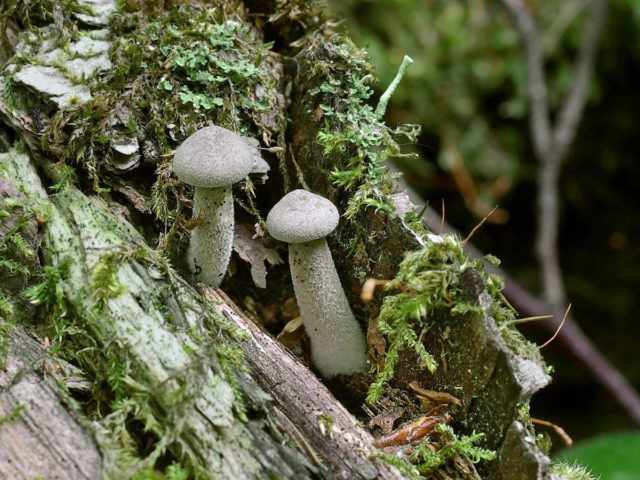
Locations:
column 212, row 159
column 303, row 220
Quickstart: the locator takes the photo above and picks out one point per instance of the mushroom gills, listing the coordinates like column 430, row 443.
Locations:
column 337, row 343
column 212, row 240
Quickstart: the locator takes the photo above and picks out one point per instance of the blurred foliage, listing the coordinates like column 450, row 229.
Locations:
column 611, row 457
column 467, row 89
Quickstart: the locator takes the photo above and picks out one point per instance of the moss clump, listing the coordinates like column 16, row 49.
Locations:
column 340, row 136
column 14, row 414
column 174, row 73
column 128, row 425
column 138, row 412
column 350, row 125
column 452, row 445
column 567, row 471
column 440, row 276
column 30, row 14
column 424, row 460
column 19, row 217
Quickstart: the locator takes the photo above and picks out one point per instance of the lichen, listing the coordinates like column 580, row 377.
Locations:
column 173, row 73
column 566, row 471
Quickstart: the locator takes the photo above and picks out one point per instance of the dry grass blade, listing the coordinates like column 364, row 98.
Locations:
column 566, row 314
column 477, row 227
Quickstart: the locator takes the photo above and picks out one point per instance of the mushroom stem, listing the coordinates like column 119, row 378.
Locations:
column 337, row 342
column 211, row 242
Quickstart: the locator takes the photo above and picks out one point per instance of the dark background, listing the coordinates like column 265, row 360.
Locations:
column 468, row 78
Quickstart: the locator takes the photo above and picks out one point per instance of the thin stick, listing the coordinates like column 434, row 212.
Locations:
column 369, row 288
column 568, row 441
column 566, row 314
column 507, row 303
column 475, row 229
column 518, row 321
column 443, row 215
column 298, row 171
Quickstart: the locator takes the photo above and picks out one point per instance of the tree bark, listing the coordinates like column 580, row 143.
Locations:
column 41, row 435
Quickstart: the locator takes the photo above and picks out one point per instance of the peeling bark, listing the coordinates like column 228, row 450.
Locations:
column 45, row 438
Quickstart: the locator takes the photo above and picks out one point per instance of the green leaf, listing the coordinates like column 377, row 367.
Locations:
column 610, row 456
column 165, row 85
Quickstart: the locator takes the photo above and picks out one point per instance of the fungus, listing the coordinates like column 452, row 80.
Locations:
column 303, row 220
column 212, row 159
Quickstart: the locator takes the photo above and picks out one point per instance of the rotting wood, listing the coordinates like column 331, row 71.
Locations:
column 45, row 437
column 157, row 342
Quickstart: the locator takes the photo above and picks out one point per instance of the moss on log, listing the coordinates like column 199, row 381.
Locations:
column 171, row 390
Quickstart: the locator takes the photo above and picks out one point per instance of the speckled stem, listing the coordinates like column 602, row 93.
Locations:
column 211, row 242
column 337, row 341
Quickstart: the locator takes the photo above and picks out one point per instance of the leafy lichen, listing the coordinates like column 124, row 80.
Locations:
column 174, row 73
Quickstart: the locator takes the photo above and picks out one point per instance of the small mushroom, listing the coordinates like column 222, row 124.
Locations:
column 303, row 220
column 212, row 159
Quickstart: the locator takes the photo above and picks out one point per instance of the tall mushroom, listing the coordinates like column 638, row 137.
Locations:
column 303, row 220
column 212, row 159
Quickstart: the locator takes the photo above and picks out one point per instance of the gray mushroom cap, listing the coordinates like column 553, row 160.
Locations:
column 301, row 216
column 213, row 157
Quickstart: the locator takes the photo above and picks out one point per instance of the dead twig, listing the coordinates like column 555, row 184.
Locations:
column 477, row 227
column 568, row 441
column 415, row 430
column 369, row 288
column 553, row 337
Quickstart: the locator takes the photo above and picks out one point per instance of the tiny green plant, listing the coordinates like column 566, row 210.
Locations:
column 423, row 460
column 350, row 124
column 452, row 446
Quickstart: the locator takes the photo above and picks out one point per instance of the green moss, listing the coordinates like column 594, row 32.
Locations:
column 18, row 258
column 6, row 327
column 36, row 13
column 123, row 394
column 440, row 276
column 567, row 471
column 425, row 281
column 350, row 124
column 452, row 445
column 104, row 282
column 173, row 74
column 403, row 465
column 423, row 460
